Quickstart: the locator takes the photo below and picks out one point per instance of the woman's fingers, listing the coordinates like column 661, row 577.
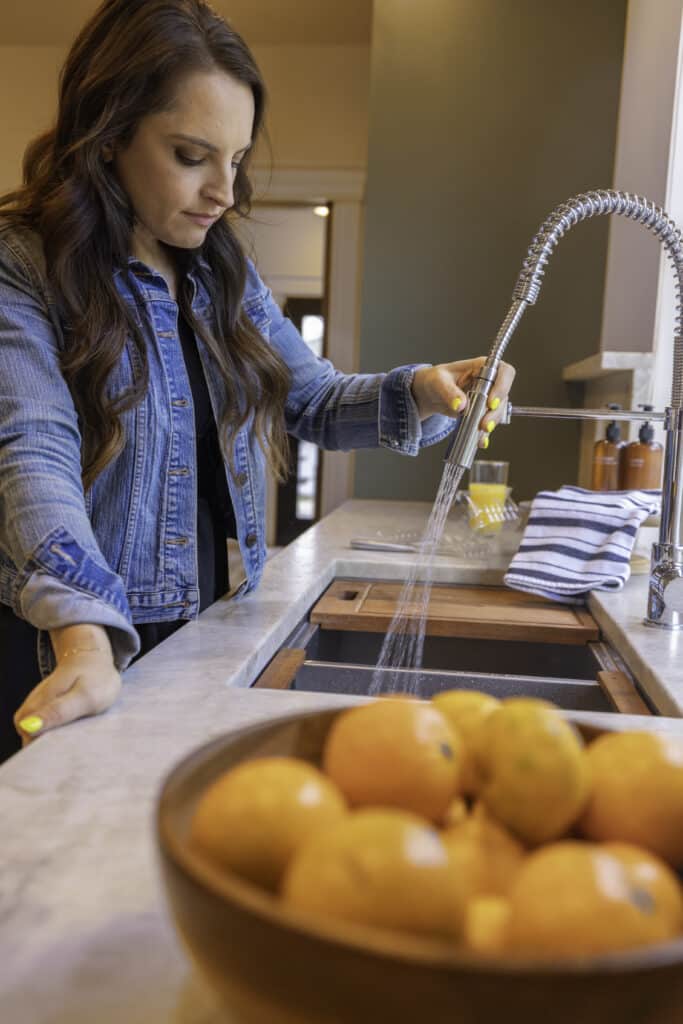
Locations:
column 500, row 390
column 437, row 389
column 73, row 704
column 496, row 402
column 443, row 389
column 86, row 686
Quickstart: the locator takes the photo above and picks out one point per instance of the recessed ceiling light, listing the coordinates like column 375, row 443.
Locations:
column 322, row 211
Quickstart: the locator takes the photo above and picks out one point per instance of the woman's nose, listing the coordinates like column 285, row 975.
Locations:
column 221, row 191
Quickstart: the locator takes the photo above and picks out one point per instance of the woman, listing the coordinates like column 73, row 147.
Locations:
column 146, row 375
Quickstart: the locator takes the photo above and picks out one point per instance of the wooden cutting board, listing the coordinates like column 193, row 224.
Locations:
column 486, row 613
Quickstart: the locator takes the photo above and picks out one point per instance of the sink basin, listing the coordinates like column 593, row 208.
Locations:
column 511, row 657
column 575, row 675
column 331, row 677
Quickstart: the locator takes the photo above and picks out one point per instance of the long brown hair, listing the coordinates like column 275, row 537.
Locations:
column 127, row 62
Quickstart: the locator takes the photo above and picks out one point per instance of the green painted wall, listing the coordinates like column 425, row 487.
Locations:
column 484, row 114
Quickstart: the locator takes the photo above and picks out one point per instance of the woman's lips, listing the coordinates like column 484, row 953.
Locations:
column 200, row 218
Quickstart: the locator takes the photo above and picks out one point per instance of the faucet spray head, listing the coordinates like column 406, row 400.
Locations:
column 463, row 447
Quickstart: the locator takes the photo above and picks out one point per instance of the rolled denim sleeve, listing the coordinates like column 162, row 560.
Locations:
column 399, row 419
column 343, row 411
column 61, row 576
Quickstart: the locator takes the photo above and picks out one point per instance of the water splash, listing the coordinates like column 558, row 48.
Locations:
column 404, row 641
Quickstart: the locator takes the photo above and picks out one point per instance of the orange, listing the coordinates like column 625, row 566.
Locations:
column 385, row 868
column 485, row 855
column 637, row 792
column 466, row 710
column 395, row 753
column 534, row 769
column 576, row 898
column 253, row 818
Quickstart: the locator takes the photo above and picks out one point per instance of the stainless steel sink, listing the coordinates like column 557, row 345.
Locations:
column 331, row 677
column 345, row 661
column 511, row 657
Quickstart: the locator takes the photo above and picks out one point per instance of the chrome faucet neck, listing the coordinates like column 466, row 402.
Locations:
column 665, row 598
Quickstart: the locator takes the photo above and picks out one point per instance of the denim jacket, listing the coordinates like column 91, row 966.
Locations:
column 124, row 552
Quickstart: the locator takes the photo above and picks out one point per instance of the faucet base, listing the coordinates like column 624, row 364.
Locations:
column 665, row 596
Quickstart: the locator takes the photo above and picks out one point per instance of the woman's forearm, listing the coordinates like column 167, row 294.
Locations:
column 83, row 636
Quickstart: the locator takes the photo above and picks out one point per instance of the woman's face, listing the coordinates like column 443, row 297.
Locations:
column 179, row 168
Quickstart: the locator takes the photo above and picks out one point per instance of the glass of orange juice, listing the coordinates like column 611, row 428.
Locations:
column 488, row 493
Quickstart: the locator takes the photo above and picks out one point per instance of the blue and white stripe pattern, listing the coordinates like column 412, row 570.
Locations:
column 578, row 540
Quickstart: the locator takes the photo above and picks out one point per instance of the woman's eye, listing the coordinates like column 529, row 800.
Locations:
column 188, row 161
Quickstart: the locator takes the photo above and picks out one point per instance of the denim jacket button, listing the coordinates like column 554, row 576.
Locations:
column 251, row 539
column 241, row 479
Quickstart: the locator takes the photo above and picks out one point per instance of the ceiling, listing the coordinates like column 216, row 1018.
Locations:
column 261, row 22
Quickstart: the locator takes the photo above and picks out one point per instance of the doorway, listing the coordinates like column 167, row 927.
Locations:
column 298, row 498
column 288, row 242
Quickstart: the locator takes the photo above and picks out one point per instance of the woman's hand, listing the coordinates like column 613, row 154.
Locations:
column 84, row 683
column 443, row 389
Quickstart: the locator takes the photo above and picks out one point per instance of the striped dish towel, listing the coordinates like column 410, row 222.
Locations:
column 578, row 540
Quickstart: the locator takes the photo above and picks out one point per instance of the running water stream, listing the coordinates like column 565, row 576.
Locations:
column 404, row 641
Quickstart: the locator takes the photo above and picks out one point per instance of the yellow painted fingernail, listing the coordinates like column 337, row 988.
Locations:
column 494, row 403
column 485, row 443
column 491, row 426
column 31, row 724
column 455, row 404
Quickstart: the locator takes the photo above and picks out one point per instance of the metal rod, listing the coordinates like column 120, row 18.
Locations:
column 549, row 413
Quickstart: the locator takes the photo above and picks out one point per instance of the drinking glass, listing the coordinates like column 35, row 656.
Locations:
column 488, row 493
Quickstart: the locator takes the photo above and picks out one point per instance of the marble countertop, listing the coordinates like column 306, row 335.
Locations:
column 84, row 931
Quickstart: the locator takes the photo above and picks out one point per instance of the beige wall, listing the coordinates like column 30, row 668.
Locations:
column 642, row 165
column 28, row 90
column 318, row 104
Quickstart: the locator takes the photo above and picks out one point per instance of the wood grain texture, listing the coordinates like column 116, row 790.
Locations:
column 485, row 613
column 622, row 694
column 280, row 672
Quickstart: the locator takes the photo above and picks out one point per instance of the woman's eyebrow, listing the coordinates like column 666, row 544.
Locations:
column 207, row 145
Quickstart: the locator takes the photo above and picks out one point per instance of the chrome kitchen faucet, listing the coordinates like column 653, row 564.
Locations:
column 665, row 595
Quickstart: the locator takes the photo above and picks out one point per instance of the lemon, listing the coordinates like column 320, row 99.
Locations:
column 466, row 710
column 254, row 817
column 486, row 923
column 637, row 792
column 486, row 856
column 395, row 753
column 535, row 777
column 384, row 868
column 576, row 898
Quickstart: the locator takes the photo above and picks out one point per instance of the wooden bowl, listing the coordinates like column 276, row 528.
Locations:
column 273, row 965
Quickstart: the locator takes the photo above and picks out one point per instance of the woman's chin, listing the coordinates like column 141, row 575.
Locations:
column 192, row 239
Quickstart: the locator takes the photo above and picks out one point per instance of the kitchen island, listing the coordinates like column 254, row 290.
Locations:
column 85, row 937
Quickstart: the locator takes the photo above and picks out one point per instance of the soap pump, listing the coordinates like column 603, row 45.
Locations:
column 606, row 456
column 641, row 461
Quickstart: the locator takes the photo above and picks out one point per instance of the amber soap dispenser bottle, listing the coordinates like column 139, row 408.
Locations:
column 641, row 461
column 606, row 457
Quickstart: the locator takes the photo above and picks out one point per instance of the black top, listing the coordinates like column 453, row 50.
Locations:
column 215, row 516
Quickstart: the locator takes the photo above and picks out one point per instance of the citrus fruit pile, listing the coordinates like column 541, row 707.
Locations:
column 489, row 824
